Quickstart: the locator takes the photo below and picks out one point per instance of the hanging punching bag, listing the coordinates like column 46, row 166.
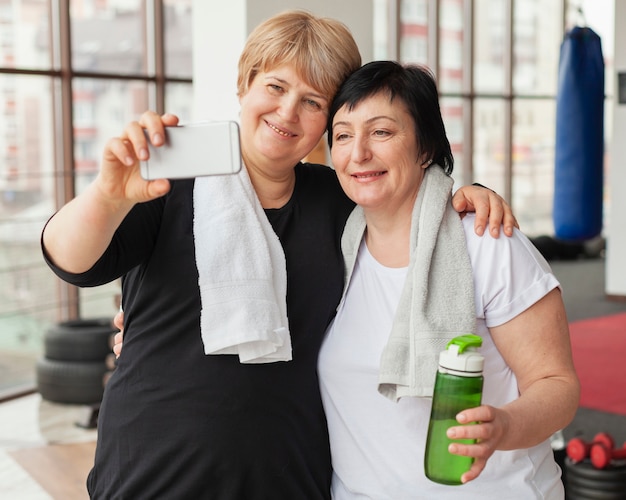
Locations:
column 578, row 176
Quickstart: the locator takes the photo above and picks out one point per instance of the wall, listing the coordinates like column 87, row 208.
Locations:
column 616, row 225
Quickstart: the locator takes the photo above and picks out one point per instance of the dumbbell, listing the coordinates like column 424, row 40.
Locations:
column 577, row 449
column 601, row 455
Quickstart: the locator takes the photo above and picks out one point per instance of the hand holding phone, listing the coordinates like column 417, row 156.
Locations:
column 194, row 150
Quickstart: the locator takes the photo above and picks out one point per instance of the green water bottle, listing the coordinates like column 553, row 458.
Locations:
column 458, row 386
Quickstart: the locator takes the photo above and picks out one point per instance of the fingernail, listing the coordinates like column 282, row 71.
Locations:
column 129, row 161
column 157, row 138
column 451, row 432
column 480, row 229
column 143, row 154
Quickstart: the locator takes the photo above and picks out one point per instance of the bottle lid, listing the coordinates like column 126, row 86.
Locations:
column 461, row 357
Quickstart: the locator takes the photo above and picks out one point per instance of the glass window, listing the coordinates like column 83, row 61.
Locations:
column 177, row 101
column 490, row 46
column 414, row 31
column 178, row 38
column 489, row 143
column 451, row 35
column 25, row 34
column 538, row 34
column 117, row 43
column 109, row 37
column 533, row 164
column 101, row 108
column 27, row 199
column 452, row 112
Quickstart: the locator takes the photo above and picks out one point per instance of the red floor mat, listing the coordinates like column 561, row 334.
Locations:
column 599, row 348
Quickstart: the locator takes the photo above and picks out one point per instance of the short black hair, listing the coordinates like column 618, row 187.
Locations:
column 416, row 87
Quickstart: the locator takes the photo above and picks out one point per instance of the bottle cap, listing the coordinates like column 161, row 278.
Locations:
column 461, row 358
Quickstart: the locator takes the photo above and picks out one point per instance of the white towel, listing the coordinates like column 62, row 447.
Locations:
column 437, row 301
column 241, row 272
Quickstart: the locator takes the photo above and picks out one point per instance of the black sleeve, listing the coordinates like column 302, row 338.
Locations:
column 131, row 245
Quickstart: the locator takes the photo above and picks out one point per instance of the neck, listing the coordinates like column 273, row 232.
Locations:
column 273, row 187
column 388, row 238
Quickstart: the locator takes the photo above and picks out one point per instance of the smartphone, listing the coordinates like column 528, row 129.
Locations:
column 194, row 150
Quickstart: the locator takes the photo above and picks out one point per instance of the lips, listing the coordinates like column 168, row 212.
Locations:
column 367, row 175
column 280, row 131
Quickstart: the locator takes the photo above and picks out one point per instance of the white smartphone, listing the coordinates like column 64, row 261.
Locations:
column 195, row 150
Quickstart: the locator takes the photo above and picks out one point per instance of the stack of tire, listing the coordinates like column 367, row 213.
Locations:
column 74, row 367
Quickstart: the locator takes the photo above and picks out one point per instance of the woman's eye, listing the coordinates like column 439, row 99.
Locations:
column 275, row 88
column 381, row 133
column 312, row 105
column 341, row 137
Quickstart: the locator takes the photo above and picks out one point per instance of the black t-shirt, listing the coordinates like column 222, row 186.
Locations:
column 178, row 424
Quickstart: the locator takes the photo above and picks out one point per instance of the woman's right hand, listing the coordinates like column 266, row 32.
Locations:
column 119, row 180
column 80, row 232
column 118, row 339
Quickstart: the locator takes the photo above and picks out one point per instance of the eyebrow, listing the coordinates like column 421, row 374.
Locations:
column 368, row 121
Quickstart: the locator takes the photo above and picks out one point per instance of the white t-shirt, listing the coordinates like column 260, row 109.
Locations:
column 377, row 445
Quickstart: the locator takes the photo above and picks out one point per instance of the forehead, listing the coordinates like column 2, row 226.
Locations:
column 380, row 105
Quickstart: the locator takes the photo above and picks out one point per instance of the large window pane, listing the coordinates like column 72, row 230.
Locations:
column 452, row 112
column 113, row 39
column 179, row 100
column 27, row 287
column 178, row 38
column 537, row 28
column 489, row 37
column 109, row 36
column 24, row 34
column 414, row 31
column 489, row 143
column 451, row 46
column 533, row 164
column 101, row 110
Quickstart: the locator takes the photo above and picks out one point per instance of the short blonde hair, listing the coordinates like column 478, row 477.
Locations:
column 322, row 50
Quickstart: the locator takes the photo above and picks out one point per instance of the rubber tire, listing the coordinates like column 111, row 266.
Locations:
column 70, row 382
column 79, row 340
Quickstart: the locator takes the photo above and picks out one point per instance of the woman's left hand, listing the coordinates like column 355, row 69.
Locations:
column 488, row 432
column 489, row 207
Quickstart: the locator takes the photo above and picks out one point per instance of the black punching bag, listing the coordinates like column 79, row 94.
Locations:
column 578, row 175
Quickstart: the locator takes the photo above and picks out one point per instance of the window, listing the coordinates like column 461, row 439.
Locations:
column 61, row 98
column 496, row 63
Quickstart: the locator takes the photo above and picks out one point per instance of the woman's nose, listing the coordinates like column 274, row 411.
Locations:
column 360, row 150
column 288, row 109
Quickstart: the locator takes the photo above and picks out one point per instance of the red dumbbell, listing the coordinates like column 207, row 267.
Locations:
column 601, row 456
column 577, row 449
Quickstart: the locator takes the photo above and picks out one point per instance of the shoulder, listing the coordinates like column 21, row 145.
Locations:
column 487, row 248
column 509, row 273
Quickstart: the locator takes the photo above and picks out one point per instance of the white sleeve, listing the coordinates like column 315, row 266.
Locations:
column 510, row 274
